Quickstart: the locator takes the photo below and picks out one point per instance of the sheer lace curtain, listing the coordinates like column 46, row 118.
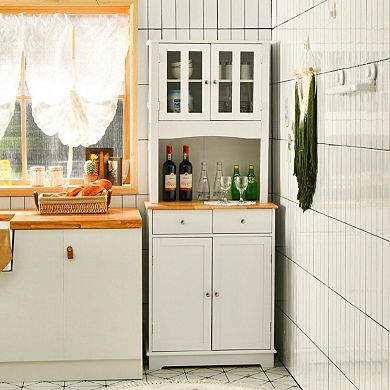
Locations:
column 11, row 46
column 75, row 67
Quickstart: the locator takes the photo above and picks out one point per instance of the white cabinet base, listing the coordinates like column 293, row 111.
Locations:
column 71, row 370
column 157, row 360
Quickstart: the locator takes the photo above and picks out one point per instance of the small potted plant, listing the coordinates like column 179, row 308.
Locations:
column 90, row 169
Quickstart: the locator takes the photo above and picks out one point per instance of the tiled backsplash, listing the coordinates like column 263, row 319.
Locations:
column 333, row 270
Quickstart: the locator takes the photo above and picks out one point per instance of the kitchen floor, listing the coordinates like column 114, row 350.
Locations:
column 272, row 378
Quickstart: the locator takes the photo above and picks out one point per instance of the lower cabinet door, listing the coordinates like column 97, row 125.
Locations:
column 102, row 294
column 181, row 278
column 31, row 298
column 242, row 293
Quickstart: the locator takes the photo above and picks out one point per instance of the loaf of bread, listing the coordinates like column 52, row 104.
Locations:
column 92, row 190
column 105, row 183
column 75, row 191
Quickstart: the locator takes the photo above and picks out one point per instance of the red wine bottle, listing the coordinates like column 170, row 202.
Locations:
column 169, row 177
column 185, row 171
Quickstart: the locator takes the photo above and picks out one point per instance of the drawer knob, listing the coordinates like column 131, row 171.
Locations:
column 182, row 222
column 243, row 221
column 216, row 294
column 208, row 295
column 69, row 253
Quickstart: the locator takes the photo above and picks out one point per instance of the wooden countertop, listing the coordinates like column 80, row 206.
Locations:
column 198, row 205
column 116, row 218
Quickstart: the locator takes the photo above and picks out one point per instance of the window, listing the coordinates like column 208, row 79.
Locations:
column 25, row 145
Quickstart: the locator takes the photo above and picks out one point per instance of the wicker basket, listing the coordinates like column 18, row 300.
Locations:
column 49, row 204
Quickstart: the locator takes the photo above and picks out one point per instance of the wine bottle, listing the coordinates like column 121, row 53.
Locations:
column 234, row 191
column 169, row 177
column 185, row 171
column 252, row 191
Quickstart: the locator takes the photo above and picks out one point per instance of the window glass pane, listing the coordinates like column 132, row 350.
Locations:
column 45, row 150
column 11, row 144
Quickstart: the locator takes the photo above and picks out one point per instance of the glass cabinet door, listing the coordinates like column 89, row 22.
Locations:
column 236, row 81
column 184, row 90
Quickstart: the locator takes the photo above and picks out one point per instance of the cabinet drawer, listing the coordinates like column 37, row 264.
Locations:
column 182, row 221
column 242, row 221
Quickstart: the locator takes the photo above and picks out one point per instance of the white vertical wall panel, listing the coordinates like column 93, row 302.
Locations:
column 252, row 13
column 224, row 14
column 210, row 13
column 182, row 14
column 196, row 13
column 168, row 10
column 154, row 13
column 238, row 10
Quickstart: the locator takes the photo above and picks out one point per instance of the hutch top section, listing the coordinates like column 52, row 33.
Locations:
column 226, row 81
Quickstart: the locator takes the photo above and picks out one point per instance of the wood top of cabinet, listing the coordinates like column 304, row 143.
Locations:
column 116, row 218
column 197, row 205
column 6, row 216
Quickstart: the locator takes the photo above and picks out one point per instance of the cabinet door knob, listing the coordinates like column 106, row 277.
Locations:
column 206, row 82
column 216, row 294
column 243, row 221
column 215, row 82
column 208, row 295
column 182, row 221
column 69, row 252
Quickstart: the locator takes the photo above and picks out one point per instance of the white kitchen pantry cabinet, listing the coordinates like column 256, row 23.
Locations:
column 211, row 292
column 77, row 318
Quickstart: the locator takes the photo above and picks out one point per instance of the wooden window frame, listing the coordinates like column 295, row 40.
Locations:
column 130, row 97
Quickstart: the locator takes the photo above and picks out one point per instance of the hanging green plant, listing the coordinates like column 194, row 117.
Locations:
column 305, row 160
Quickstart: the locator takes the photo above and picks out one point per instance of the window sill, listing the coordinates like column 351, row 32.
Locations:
column 29, row 190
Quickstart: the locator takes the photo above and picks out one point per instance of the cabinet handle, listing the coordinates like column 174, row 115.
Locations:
column 69, row 252
column 215, row 82
column 208, row 295
column 243, row 221
column 182, row 221
column 216, row 294
column 206, row 82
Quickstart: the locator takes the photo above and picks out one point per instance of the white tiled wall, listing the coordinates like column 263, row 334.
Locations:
column 333, row 261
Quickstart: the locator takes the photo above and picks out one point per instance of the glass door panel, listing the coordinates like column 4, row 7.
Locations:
column 225, row 82
column 246, row 82
column 184, row 82
column 236, row 74
column 173, row 81
column 195, row 74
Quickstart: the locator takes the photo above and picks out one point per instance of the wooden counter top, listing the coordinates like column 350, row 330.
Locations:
column 6, row 216
column 116, row 218
column 198, row 205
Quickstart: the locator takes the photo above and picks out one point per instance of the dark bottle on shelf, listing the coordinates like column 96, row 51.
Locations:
column 234, row 190
column 185, row 180
column 252, row 191
column 169, row 177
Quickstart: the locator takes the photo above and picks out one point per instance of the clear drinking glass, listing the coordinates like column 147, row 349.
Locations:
column 226, row 183
column 203, row 186
column 217, row 190
column 241, row 183
column 125, row 170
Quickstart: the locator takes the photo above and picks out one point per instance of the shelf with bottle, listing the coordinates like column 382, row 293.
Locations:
column 180, row 185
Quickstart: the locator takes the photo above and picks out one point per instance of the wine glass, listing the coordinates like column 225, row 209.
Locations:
column 226, row 183
column 241, row 183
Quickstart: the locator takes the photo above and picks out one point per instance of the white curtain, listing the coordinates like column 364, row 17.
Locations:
column 75, row 96
column 11, row 43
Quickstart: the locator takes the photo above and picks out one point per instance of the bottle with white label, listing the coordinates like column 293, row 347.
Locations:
column 185, row 171
column 169, row 177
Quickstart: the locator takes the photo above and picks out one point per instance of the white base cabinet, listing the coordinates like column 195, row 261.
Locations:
column 72, row 319
column 211, row 294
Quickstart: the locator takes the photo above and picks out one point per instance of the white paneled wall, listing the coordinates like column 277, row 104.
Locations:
column 333, row 261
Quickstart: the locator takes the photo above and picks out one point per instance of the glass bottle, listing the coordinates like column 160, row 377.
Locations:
column 203, row 186
column 252, row 192
column 217, row 189
column 234, row 191
column 185, row 176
